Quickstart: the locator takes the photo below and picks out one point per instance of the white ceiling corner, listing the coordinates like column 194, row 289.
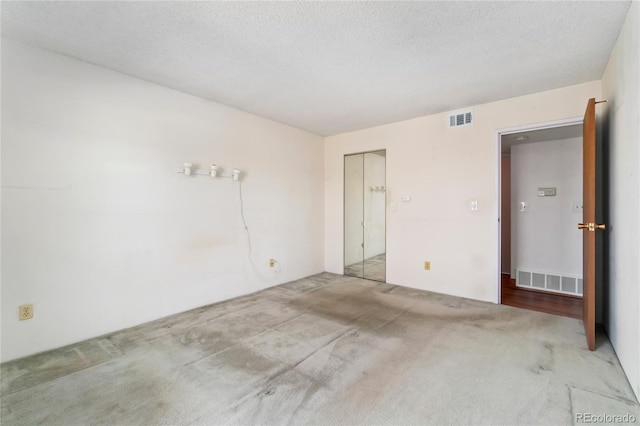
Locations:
column 333, row 67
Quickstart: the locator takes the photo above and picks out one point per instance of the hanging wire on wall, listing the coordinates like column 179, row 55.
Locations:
column 214, row 172
column 249, row 246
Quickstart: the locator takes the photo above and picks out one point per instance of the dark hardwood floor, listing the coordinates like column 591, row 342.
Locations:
column 557, row 304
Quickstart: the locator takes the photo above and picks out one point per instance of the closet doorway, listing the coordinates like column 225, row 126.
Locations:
column 365, row 215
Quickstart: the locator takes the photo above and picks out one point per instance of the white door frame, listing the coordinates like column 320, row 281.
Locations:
column 507, row 131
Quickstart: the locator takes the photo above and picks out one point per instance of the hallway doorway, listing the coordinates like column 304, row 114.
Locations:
column 540, row 202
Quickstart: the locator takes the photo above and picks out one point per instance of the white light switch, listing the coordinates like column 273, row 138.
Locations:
column 524, row 206
column 406, row 198
column 473, row 205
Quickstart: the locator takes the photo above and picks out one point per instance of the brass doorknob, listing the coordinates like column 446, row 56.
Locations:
column 592, row 226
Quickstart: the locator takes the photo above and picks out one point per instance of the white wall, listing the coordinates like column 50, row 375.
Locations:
column 443, row 170
column 100, row 232
column 621, row 88
column 545, row 237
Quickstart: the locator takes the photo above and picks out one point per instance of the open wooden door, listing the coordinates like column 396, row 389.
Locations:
column 588, row 224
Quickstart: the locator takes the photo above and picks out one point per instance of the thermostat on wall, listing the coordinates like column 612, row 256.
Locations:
column 546, row 192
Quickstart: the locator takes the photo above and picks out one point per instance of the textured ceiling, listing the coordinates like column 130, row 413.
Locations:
column 332, row 67
column 543, row 135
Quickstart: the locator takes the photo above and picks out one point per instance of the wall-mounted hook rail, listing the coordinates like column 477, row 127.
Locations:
column 188, row 170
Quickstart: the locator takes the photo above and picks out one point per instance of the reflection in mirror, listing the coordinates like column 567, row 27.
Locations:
column 374, row 215
column 364, row 220
column 353, row 208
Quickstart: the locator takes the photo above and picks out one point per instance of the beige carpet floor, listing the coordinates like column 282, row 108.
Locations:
column 327, row 349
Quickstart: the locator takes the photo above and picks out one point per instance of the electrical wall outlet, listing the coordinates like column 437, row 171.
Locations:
column 272, row 263
column 25, row 312
column 427, row 265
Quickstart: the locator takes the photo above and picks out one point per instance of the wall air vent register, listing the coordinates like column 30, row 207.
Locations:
column 460, row 119
column 555, row 283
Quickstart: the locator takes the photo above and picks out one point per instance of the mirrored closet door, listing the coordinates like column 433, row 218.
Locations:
column 364, row 215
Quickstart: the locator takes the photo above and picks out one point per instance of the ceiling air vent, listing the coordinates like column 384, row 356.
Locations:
column 460, row 119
